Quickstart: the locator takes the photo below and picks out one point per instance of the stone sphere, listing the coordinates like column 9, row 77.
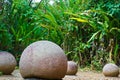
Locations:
column 43, row 59
column 111, row 70
column 7, row 62
column 72, row 68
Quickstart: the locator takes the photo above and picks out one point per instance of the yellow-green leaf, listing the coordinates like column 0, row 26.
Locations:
column 80, row 20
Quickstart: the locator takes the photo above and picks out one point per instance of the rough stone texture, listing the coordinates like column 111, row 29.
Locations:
column 111, row 70
column 72, row 68
column 43, row 59
column 7, row 62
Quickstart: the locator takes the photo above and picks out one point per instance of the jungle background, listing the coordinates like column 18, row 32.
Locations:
column 87, row 30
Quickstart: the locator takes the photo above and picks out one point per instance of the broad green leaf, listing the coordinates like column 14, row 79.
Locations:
column 52, row 19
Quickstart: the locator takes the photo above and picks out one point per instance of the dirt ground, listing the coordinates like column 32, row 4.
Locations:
column 81, row 75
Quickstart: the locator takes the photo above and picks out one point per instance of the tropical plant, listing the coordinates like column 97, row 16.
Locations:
column 87, row 31
column 104, row 27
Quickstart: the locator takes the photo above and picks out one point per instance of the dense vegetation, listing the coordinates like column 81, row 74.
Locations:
column 88, row 31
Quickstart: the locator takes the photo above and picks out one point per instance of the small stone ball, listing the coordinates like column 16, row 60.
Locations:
column 7, row 62
column 111, row 70
column 72, row 68
column 44, row 60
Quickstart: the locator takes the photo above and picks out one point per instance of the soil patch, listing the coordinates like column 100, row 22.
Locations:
column 81, row 75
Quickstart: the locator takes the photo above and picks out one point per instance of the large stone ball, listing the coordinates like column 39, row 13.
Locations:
column 7, row 62
column 43, row 59
column 72, row 68
column 111, row 70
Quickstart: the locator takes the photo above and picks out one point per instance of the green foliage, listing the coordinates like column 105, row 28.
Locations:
column 84, row 29
column 104, row 26
column 5, row 39
column 1, row 73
